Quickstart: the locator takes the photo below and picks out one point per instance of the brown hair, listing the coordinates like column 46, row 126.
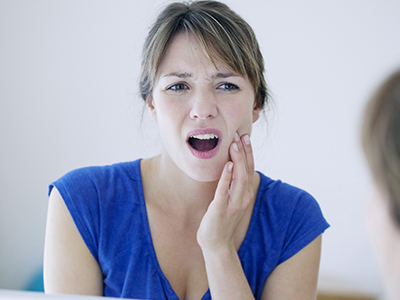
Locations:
column 222, row 34
column 381, row 139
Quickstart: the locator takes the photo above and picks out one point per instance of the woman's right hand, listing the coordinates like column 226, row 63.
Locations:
column 232, row 198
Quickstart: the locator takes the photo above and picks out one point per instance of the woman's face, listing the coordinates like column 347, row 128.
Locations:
column 385, row 236
column 199, row 108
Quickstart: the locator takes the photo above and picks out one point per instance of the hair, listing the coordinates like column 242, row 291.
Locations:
column 222, row 34
column 381, row 140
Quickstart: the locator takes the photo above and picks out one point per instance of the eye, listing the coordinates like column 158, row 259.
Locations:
column 178, row 87
column 228, row 86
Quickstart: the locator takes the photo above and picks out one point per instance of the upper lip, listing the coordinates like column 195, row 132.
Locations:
column 204, row 131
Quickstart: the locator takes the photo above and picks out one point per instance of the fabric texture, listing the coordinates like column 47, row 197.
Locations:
column 108, row 207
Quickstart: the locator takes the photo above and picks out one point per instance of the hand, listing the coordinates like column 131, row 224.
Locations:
column 232, row 198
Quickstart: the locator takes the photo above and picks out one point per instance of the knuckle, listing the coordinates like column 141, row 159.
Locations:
column 224, row 192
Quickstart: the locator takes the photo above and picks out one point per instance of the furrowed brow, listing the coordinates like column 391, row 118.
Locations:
column 179, row 75
column 189, row 75
column 226, row 75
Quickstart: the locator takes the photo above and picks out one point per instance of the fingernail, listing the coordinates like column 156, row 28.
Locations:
column 230, row 167
column 235, row 147
column 246, row 139
column 236, row 137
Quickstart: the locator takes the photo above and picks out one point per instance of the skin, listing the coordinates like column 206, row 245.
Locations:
column 385, row 236
column 198, row 209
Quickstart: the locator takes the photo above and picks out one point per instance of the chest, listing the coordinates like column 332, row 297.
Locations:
column 178, row 255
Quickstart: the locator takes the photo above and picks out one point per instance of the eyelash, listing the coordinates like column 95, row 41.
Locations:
column 229, row 86
column 183, row 86
column 175, row 88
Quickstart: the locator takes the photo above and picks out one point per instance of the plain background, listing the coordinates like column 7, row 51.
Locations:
column 68, row 98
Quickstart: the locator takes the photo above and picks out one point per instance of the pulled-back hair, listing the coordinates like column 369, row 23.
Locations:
column 222, row 34
column 381, row 139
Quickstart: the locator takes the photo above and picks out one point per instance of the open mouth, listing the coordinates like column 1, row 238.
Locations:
column 203, row 142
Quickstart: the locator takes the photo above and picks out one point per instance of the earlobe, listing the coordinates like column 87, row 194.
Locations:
column 151, row 107
column 256, row 110
column 256, row 113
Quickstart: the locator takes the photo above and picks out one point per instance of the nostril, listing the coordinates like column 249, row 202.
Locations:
column 196, row 116
column 203, row 114
column 204, row 108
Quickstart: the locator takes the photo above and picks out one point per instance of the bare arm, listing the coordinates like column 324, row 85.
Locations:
column 297, row 277
column 216, row 233
column 69, row 267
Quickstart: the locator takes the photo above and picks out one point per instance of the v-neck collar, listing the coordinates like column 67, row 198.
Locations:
column 166, row 284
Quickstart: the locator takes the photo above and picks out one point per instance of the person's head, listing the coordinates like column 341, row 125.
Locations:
column 223, row 36
column 202, row 79
column 381, row 140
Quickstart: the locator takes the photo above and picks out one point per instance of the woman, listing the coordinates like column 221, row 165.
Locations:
column 195, row 221
column 381, row 142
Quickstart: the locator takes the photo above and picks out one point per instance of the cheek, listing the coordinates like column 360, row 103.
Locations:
column 240, row 116
column 169, row 111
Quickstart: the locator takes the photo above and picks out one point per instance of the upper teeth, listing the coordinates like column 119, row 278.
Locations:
column 205, row 136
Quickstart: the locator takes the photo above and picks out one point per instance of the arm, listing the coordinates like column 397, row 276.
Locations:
column 216, row 233
column 297, row 277
column 69, row 267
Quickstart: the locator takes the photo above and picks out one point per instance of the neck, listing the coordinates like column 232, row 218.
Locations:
column 175, row 188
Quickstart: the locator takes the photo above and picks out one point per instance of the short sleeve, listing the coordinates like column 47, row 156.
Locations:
column 306, row 224
column 79, row 191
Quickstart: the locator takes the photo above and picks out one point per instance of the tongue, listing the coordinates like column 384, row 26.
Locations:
column 203, row 145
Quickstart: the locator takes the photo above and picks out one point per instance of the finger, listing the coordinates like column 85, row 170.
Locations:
column 239, row 174
column 238, row 142
column 244, row 146
column 248, row 150
column 237, row 155
column 240, row 149
column 222, row 192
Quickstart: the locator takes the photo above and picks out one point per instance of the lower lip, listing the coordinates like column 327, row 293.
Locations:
column 206, row 154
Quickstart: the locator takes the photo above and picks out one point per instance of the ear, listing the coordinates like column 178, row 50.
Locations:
column 151, row 107
column 256, row 111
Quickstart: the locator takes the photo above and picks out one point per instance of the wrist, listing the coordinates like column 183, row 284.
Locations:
column 220, row 254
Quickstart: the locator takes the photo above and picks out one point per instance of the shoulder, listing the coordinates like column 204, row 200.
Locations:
column 279, row 196
column 63, row 243
column 288, row 215
column 102, row 195
column 97, row 179
column 91, row 191
column 129, row 170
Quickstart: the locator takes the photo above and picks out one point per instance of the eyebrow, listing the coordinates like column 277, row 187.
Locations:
column 188, row 75
column 179, row 75
column 226, row 75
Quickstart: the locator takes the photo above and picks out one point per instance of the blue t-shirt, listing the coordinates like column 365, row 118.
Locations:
column 108, row 207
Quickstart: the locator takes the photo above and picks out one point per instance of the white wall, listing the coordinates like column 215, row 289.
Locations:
column 68, row 98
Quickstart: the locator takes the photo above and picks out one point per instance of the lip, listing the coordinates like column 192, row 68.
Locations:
column 207, row 154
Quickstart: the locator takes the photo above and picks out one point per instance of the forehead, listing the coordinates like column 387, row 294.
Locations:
column 185, row 55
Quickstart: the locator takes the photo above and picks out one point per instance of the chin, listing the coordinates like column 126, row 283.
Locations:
column 206, row 171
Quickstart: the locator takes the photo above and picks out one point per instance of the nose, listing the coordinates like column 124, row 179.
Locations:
column 204, row 106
